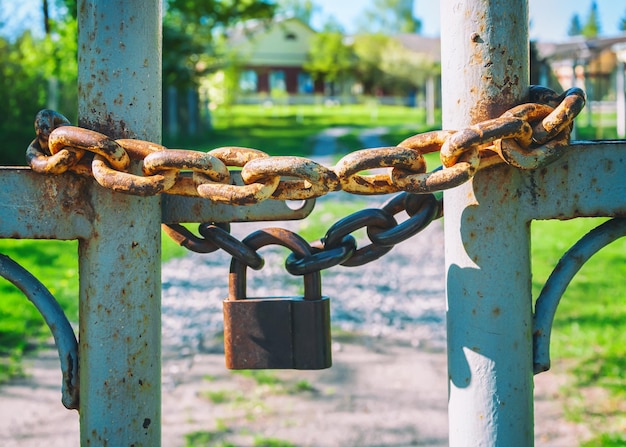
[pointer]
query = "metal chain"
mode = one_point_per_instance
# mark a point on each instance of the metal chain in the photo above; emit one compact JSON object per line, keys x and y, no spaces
{"x":527,"y":136}
{"x":338,"y":246}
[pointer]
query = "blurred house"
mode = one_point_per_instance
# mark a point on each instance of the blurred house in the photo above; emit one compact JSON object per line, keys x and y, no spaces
{"x":595,"y":65}
{"x":588,"y":64}
{"x":272,"y":56}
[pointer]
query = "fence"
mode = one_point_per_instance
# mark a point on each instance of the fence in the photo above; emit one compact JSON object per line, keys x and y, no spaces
{"x":491,"y":323}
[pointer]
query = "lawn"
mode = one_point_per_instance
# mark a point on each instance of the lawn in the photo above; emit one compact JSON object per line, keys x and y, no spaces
{"x":288,"y":130}
{"x":590,"y":327}
{"x":589,"y":332}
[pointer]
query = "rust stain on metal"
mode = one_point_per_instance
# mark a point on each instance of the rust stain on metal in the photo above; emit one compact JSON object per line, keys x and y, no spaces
{"x":107,"y":125}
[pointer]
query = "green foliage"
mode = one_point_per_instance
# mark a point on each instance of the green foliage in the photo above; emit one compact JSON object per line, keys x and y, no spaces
{"x":329,"y":57}
{"x":302,"y":386}
{"x":622,"y":23}
{"x":384,"y":63}
{"x":203,"y":438}
{"x":260,"y":376}
{"x":218,"y":396}
{"x":191,"y":44}
{"x":575,"y":28}
{"x":260,"y":441}
{"x":300,"y":9}
{"x":369,"y":49}
{"x":22,"y":93}
{"x":592,"y":27}
{"x":390,"y":17}
{"x":406,"y":68}
{"x":54,"y":264}
{"x":590,"y":325}
{"x":607,"y":440}
{"x":30,"y":68}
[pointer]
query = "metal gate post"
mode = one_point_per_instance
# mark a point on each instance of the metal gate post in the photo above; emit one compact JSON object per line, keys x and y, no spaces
{"x":119,"y":52}
{"x":484,"y":47}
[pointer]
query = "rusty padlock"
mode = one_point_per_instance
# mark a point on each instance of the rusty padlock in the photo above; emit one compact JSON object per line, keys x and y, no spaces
{"x":276,"y":332}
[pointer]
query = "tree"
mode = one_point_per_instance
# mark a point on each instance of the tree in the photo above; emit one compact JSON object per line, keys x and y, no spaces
{"x":383,"y":63}
{"x":622,"y":23}
{"x":406,"y":68}
{"x":368,"y":50}
{"x":329,"y":57}
{"x":191,"y":32}
{"x":575,"y":28}
{"x":28,"y":61}
{"x":300,"y":9}
{"x":22,"y":93}
{"x":194,"y":46}
{"x":592,"y":27}
{"x":390,"y":17}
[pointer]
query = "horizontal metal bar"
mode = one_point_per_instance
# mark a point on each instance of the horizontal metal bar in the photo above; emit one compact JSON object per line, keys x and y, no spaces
{"x":35,"y":206}
{"x":588,"y":181}
{"x":180,"y":209}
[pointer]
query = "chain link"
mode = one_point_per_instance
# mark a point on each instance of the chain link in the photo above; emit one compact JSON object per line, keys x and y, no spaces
{"x":527,"y":136}
{"x":338,"y":246}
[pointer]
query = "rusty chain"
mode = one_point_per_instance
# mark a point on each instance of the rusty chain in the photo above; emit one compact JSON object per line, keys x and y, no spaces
{"x":526,"y":136}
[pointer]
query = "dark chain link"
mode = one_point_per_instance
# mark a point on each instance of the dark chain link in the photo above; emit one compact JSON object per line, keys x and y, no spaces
{"x":338,"y":246}
{"x":213,"y":237}
{"x":383,"y":231}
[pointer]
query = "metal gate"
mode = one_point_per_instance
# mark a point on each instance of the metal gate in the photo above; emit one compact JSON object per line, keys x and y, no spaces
{"x":496,"y":342}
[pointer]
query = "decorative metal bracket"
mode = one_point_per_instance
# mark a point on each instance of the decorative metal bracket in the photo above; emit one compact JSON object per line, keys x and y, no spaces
{"x":559,"y":279}
{"x":49,"y":308}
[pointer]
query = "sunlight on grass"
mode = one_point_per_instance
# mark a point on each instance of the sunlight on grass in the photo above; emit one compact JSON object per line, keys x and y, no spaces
{"x":590,"y":324}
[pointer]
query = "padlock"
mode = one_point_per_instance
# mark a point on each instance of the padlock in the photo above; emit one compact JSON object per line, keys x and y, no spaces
{"x":276,"y":332}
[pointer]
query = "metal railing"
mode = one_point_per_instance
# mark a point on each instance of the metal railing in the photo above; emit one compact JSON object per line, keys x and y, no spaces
{"x":496,"y":341}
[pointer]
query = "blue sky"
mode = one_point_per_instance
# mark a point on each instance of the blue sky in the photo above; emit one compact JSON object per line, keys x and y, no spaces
{"x":550,"y":19}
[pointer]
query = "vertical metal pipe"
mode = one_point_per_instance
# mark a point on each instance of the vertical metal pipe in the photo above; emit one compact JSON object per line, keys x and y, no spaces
{"x":120,"y":307}
{"x":621,"y":99}
{"x":485,"y":55}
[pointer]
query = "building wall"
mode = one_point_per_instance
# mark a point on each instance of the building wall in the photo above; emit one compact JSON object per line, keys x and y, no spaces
{"x":292,"y":80}
{"x":284,"y":44}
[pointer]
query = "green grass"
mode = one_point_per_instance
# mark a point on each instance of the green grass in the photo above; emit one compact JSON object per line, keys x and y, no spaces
{"x":287,"y":130}
{"x":260,"y":376}
{"x":204,"y":438}
{"x":261,"y":441}
{"x":589,"y":330}
{"x":54,"y":263}
{"x":603,"y":126}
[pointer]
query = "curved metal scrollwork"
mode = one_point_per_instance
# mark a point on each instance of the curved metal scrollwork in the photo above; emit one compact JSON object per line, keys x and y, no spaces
{"x":56,"y":320}
{"x":559,"y":279}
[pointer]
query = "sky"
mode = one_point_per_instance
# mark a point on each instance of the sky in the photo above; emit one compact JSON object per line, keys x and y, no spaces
{"x":549,"y":19}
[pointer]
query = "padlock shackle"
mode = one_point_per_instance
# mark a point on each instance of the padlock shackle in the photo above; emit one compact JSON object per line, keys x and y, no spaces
{"x":273,"y":236}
